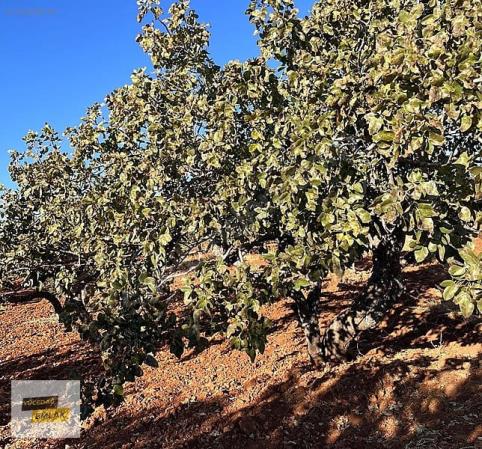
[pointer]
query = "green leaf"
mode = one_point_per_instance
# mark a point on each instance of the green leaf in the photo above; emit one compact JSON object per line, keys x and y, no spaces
{"x":479,"y":306}
{"x":374,"y":123}
{"x":447,"y":283}
{"x":365,"y":216}
{"x":358,"y":187}
{"x":450,"y":291}
{"x":441,"y":252}
{"x":151,"y":283}
{"x":118,"y":390}
{"x":327,"y":219}
{"x":465,"y":214}
{"x":426,"y":210}
{"x":466,"y":123}
{"x":436,"y":139}
{"x":256,"y":135}
{"x":165,"y":238}
{"x":467,"y":307}
{"x":218,"y":135}
{"x":421,"y":254}
{"x":384,"y":136}
{"x":456,"y":271}
{"x":405,"y":17}
{"x":231,"y":330}
{"x":470,"y":258}
{"x":463,"y":159}
{"x":301,"y":283}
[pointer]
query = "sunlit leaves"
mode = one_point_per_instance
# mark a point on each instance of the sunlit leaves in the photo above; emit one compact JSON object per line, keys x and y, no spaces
{"x":421,"y":254}
{"x":360,"y":119}
{"x":465,"y":287}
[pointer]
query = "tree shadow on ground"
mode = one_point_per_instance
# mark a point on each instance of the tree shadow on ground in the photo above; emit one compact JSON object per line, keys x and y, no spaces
{"x":422,"y":320}
{"x":379,"y":401}
{"x":385,"y":399}
{"x":74,"y":361}
{"x":379,"y":404}
{"x":419,"y":320}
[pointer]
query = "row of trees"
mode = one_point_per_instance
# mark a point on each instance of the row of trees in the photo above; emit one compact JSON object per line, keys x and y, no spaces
{"x":357,"y":130}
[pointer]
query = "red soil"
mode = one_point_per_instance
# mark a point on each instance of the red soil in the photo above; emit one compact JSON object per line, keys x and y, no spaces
{"x":416,"y":383}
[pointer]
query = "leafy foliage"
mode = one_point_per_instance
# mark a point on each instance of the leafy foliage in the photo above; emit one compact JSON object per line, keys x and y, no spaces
{"x":465,"y":287}
{"x":360,"y":120}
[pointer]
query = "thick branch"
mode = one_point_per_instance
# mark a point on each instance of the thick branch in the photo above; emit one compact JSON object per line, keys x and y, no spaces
{"x":20,"y":296}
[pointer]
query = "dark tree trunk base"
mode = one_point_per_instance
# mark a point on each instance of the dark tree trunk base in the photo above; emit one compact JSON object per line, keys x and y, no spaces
{"x":365,"y":314}
{"x":383,"y":290}
{"x":306,"y":309}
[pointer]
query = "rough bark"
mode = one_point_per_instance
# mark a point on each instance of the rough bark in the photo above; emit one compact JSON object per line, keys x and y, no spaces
{"x":306,"y":309}
{"x":383,"y":289}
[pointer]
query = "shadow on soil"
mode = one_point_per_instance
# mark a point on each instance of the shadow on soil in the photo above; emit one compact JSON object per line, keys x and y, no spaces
{"x":378,"y":402}
{"x":73,"y":361}
{"x":396,"y":404}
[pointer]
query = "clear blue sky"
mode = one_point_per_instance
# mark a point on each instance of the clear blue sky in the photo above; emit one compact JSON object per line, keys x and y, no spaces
{"x":60,"y":56}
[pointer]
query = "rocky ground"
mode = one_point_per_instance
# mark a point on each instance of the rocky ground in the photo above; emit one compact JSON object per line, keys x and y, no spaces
{"x":415,"y":384}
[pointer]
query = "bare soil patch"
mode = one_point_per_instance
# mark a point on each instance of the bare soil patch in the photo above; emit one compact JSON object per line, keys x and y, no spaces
{"x":415,"y":384}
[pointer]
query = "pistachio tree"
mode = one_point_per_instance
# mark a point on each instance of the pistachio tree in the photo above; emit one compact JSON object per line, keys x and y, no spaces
{"x":356,"y":132}
{"x":103,"y":229}
{"x":365,"y":137}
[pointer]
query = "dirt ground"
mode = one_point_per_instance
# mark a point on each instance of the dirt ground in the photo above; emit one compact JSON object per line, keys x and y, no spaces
{"x":415,"y":384}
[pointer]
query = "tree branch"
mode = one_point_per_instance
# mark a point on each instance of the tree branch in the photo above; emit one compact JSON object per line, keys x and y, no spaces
{"x":20,"y":296}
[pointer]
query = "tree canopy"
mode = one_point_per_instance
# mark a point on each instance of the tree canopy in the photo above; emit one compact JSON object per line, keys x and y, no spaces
{"x":357,"y":130}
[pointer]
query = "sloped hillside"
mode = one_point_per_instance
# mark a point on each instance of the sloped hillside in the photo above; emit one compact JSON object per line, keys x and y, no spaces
{"x":416,"y":383}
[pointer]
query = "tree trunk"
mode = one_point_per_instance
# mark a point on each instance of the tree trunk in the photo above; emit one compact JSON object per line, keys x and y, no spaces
{"x":383,"y":289}
{"x":306,"y":308}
